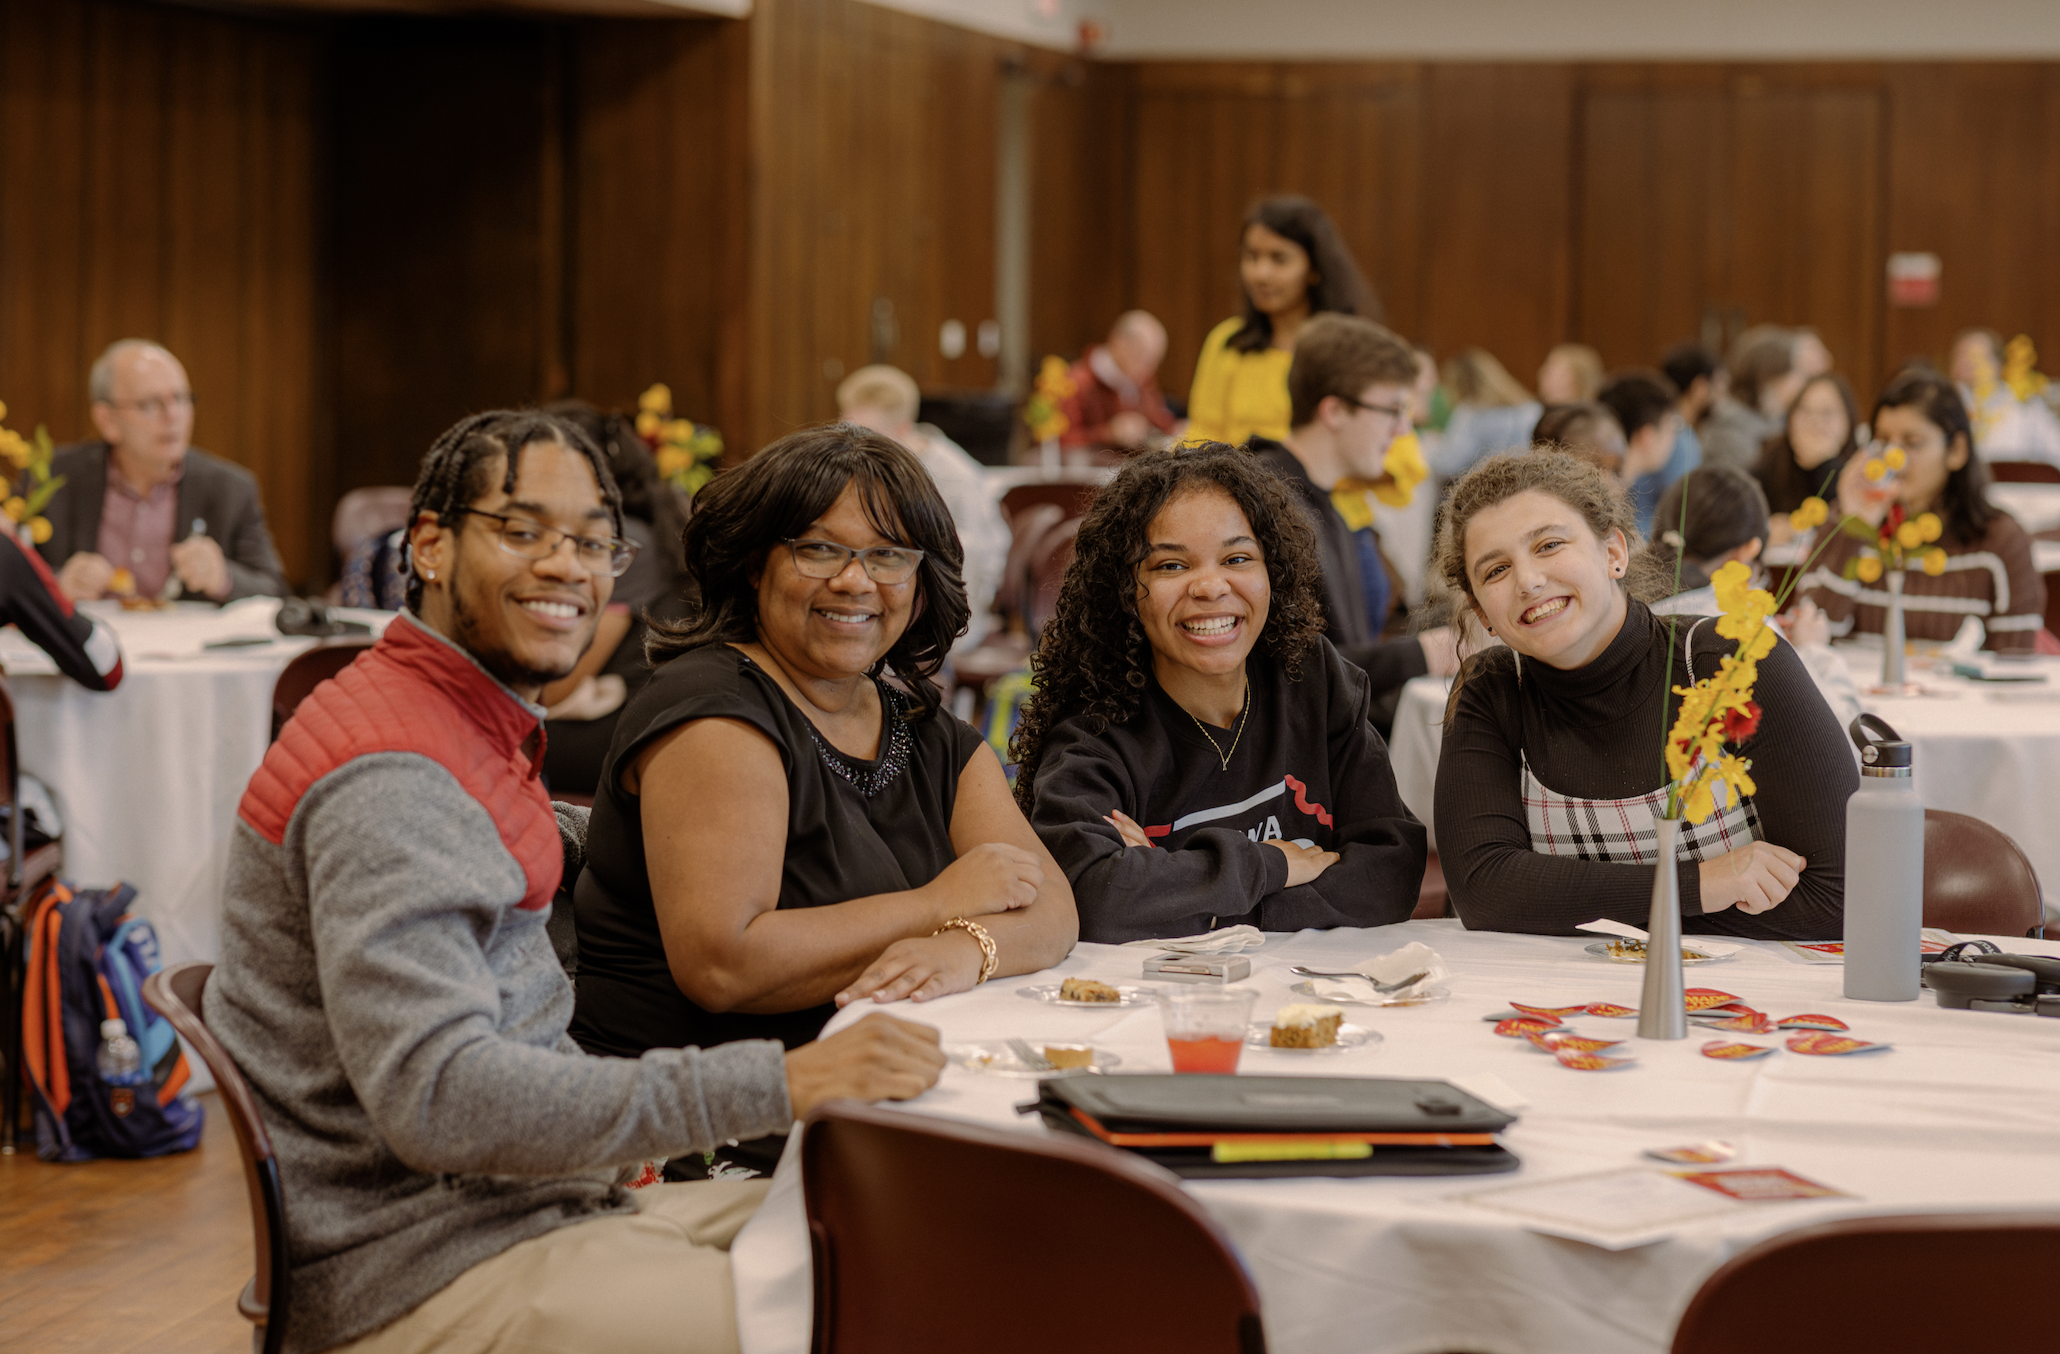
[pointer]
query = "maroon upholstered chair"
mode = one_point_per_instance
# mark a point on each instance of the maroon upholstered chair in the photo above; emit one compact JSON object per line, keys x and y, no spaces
{"x":309,"y":670}
{"x":175,"y":993}
{"x":1976,"y":880}
{"x":931,"y":1234}
{"x":19,"y":878}
{"x":1897,"y":1285}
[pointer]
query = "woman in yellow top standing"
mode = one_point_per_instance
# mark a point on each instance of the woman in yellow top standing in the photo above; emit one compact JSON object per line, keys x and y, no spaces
{"x":1293,"y":265}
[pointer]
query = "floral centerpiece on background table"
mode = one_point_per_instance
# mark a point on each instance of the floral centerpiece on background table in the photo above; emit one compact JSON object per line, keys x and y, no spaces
{"x":686,"y":451}
{"x":28,"y":483}
{"x":1890,"y":551}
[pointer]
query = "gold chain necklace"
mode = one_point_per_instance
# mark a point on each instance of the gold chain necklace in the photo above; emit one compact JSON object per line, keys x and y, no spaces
{"x":1243,"y":716}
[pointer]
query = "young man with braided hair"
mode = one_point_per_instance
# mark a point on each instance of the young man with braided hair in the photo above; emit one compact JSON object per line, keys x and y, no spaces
{"x":451,"y":1159}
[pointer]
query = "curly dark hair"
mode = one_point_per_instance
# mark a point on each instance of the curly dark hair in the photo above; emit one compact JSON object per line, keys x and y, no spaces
{"x":1093,"y":658}
{"x":743,"y":514}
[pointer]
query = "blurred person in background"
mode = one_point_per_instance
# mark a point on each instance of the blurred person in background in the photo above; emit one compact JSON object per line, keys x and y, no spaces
{"x":1978,"y":564}
{"x":142,"y":508}
{"x":885,"y":399}
{"x":1570,"y":374}
{"x":1648,"y":414}
{"x":1699,"y":377}
{"x":1351,"y":386}
{"x":1491,"y":412}
{"x":2001,"y":387}
{"x":1116,"y":404}
{"x":1805,"y":458}
{"x":1292,"y":264}
{"x":1591,"y":433}
{"x":1764,"y":381}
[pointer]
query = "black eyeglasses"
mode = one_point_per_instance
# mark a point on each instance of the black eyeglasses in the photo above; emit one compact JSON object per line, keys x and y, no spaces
{"x":827,"y":559}
{"x":1393,"y":412}
{"x":534,"y":540}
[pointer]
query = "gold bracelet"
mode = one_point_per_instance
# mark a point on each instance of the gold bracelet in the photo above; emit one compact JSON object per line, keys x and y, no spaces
{"x":989,"y":960}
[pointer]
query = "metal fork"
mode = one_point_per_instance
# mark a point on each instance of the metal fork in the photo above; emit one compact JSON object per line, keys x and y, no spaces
{"x":1378,"y":985}
{"x":1029,"y":1056}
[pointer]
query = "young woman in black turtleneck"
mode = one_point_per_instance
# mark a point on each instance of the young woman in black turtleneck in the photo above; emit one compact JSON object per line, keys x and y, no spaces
{"x":1552,"y":759}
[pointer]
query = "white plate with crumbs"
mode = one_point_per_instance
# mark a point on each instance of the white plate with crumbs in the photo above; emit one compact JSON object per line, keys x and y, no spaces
{"x":1349,"y":1037}
{"x":1633,"y":952}
{"x":1000,"y":1060}
{"x":1125,"y":996}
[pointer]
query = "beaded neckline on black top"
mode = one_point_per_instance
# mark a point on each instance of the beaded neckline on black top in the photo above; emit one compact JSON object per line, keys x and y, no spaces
{"x":893,"y":759}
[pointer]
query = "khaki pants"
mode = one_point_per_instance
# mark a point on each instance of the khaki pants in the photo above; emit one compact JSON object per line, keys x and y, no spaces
{"x":653,"y":1282}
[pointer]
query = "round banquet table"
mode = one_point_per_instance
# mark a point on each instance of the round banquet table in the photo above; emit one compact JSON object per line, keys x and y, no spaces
{"x":147,"y":777}
{"x":1987,"y":749}
{"x":1958,"y":1114}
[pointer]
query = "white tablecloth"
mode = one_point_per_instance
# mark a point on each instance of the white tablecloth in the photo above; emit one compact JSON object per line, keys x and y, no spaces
{"x":147,"y":777}
{"x":1990,"y":750}
{"x":1959,"y":1114}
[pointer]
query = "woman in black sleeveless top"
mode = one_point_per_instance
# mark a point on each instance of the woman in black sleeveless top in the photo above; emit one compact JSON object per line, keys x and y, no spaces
{"x":779,"y":830}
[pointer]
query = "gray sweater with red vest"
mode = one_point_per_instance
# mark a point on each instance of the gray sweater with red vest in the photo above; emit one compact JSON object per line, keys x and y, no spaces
{"x":387,"y":987}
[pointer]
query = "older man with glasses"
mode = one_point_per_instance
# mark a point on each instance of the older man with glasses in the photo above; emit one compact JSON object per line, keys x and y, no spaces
{"x":145,"y":513}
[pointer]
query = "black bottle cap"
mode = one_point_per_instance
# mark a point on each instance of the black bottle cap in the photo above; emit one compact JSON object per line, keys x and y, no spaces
{"x":1879,"y":744}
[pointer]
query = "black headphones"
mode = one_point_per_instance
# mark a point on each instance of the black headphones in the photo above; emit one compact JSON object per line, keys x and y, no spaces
{"x":2013,"y":984}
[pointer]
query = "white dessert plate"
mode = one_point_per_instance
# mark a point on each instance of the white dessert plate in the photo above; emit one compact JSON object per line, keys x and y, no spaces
{"x":1000,"y":1060}
{"x":1127,"y":996}
{"x":1349,"y":1036}
{"x":1372,"y":998}
{"x":1690,"y":955}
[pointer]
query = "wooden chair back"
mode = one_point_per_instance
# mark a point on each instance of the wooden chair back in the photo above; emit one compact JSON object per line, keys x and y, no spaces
{"x":934,"y":1234}
{"x":2023,"y":472}
{"x":175,"y":993}
{"x":309,"y":670}
{"x":1887,"y":1285}
{"x":1976,"y":880}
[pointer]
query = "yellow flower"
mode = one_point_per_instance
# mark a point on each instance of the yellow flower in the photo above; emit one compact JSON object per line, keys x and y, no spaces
{"x":1868,"y":568}
{"x":3,"y":409}
{"x":672,"y":460}
{"x":1894,"y":458}
{"x":39,"y":530}
{"x":1934,"y":561}
{"x":1699,"y":803}
{"x":1909,"y":535}
{"x":1929,"y":525}
{"x":1736,"y":773}
{"x":1745,"y":609}
{"x":1813,"y":512}
{"x":656,"y":400}
{"x":17,"y":508}
{"x":1874,"y":470}
{"x":649,"y":422}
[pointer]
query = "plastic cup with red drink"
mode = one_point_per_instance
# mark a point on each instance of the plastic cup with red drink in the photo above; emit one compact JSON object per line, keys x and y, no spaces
{"x":1205,"y":1026}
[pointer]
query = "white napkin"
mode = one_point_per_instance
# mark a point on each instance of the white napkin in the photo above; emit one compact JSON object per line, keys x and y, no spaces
{"x":1392,"y":967}
{"x":1229,"y":940}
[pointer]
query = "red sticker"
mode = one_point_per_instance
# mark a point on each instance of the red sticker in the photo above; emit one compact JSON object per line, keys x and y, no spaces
{"x":1812,"y":1022}
{"x":1556,"y":1012}
{"x":1759,"y":1185}
{"x":1553,"y":1041}
{"x":1824,"y":1044}
{"x":1609,"y":1010}
{"x":1751,"y":1023}
{"x":1590,"y":1062}
{"x":1718,"y":1048}
{"x":1703,"y":998}
{"x":1525,"y":1026}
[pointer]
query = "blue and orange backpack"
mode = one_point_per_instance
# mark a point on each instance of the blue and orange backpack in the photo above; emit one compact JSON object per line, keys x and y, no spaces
{"x":87,"y":961}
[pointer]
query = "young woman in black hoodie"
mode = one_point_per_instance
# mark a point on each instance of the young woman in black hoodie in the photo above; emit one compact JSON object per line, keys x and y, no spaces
{"x":1196,"y":754}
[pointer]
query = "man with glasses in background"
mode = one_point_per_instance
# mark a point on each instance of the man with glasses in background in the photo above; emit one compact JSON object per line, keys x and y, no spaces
{"x":144,"y":513}
{"x":1349,"y":391}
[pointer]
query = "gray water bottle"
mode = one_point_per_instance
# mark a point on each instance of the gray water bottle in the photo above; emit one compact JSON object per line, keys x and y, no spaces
{"x":1884,"y":869}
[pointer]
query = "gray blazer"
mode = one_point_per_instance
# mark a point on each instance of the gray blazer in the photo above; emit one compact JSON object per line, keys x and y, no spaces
{"x":220,"y":492}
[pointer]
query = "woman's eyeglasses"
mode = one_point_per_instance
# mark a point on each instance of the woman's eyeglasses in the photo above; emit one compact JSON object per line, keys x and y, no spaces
{"x":534,"y":540}
{"x":827,"y":559}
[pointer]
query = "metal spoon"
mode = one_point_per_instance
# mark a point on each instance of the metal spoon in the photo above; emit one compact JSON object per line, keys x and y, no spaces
{"x":1029,"y":1056}
{"x":1378,"y":986}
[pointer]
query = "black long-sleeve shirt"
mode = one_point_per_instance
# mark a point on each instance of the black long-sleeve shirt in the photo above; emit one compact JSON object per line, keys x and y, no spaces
{"x":83,"y":648}
{"x":1307,"y":767}
{"x":1595,"y":733}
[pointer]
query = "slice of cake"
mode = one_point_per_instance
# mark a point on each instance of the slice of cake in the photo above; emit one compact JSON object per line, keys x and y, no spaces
{"x":1064,"y":1056}
{"x":1087,"y":989}
{"x":1307,"y":1025}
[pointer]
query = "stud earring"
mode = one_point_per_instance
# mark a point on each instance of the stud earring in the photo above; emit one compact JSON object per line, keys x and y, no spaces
{"x":429,"y":574}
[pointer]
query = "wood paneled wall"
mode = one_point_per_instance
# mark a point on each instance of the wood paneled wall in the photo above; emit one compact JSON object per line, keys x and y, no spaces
{"x":156,"y":180}
{"x":1625,"y":205}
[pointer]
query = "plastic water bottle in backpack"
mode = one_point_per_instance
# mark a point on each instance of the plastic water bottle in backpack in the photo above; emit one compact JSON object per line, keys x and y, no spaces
{"x":120,"y":1061}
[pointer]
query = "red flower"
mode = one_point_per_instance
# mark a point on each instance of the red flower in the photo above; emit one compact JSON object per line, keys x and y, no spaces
{"x":1896,"y":515}
{"x":1740,"y":725}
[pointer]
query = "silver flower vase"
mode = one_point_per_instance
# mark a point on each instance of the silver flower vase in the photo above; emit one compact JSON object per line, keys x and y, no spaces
{"x":1892,"y":632}
{"x":1663,"y":1010}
